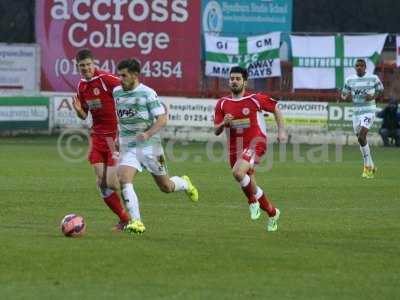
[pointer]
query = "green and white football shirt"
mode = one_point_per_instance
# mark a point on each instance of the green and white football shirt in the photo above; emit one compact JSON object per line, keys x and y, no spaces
{"x":359,"y":88}
{"x":137,"y":110}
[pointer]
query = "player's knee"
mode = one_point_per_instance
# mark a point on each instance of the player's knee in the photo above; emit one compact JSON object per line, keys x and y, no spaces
{"x":123,"y":178}
{"x":99,"y":182}
{"x":238,"y":174}
{"x":362,"y":140}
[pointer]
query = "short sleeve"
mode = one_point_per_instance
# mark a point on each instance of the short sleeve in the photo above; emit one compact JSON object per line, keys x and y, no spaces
{"x":266,"y":103}
{"x":154,"y":105}
{"x":218,"y":113}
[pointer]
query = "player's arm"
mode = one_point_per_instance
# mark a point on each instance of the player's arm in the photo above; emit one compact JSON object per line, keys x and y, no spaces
{"x":378,"y":90}
{"x":219,"y":128}
{"x":346,"y":92}
{"x":77,"y":105}
{"x":221,"y":120}
{"x":282,"y":137}
{"x":157,"y":109}
{"x":160,"y":123}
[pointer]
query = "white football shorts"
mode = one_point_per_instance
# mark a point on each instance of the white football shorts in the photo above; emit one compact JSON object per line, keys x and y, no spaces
{"x":149,"y":157}
{"x":364,"y":120}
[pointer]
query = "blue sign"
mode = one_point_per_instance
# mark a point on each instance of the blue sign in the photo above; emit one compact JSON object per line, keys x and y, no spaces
{"x":244,"y":17}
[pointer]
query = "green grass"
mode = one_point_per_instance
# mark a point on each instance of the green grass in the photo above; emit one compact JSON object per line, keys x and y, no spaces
{"x":338,"y":236}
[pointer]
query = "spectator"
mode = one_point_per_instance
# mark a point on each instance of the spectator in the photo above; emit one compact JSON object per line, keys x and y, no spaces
{"x":391,"y":123}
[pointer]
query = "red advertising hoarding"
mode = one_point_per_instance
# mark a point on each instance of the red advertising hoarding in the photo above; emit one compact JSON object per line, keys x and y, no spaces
{"x":163,"y":34}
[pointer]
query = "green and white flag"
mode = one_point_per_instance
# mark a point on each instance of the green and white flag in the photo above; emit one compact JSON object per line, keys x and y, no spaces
{"x":324,"y":62}
{"x":259,"y":54}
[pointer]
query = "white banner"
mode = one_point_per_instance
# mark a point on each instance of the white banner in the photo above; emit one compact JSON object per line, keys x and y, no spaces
{"x":23,"y":113}
{"x":259,"y":54}
{"x":19,"y":67}
{"x":190,"y":112}
{"x":324,"y":62}
{"x":65,"y":115}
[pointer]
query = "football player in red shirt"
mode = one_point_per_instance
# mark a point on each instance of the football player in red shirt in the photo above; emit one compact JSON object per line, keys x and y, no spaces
{"x":95,"y":95}
{"x":241,"y":116}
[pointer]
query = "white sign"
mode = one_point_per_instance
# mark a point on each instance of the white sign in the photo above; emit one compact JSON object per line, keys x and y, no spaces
{"x":304,"y":110}
{"x":19,"y":67}
{"x":23,"y":113}
{"x":190,"y":111}
{"x":65,"y":115}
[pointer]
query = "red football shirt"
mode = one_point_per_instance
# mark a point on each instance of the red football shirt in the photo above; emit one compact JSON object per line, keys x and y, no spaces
{"x":95,"y":96}
{"x":248,"y":124}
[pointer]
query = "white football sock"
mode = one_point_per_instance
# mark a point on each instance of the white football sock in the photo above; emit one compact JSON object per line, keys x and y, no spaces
{"x":259,"y":193}
{"x":131,"y":200}
{"x":180,"y":184}
{"x":366,"y":153}
{"x":245,"y":181}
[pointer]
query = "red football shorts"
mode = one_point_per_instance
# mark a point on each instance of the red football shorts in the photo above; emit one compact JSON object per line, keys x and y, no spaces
{"x":101,"y":149}
{"x":251,"y":155}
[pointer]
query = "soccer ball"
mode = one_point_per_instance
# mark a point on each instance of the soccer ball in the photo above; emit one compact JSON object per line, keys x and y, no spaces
{"x":73,"y":225}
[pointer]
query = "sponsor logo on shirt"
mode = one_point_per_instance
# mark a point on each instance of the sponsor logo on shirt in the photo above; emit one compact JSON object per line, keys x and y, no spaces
{"x":126,"y":113}
{"x":94,"y":104}
{"x":241,"y":123}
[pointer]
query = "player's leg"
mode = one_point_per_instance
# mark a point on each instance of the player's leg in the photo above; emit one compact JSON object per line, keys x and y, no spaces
{"x":154,"y":161}
{"x":127,"y":169}
{"x":265,"y":204}
{"x":114,"y":200}
{"x":365,"y":122}
{"x":175,"y":184}
{"x":101,"y":164}
{"x":240,"y":171}
{"x":98,"y":157}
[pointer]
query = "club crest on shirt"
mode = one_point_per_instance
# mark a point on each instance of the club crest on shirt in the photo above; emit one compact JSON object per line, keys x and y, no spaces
{"x":96,"y":91}
{"x":246,"y":111}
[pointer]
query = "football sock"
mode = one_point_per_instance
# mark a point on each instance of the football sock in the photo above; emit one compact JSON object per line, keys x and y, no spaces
{"x":112,"y":200}
{"x":366,"y":153}
{"x":264,"y":203}
{"x":131,"y":200}
{"x":180,"y":184}
{"x":247,"y":189}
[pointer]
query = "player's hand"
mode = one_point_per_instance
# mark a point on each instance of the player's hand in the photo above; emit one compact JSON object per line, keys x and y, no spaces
{"x":282,"y":136}
{"x":142,"y":137}
{"x":115,"y":155}
{"x":76,"y":103}
{"x":116,"y":144}
{"x":228,"y":120}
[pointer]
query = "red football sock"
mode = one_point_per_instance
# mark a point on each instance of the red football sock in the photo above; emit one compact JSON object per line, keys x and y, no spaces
{"x":247,"y":189}
{"x":266,"y":205}
{"x":114,"y":203}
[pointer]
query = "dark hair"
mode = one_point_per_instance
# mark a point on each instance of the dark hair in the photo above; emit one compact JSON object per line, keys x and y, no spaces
{"x":83,"y":54}
{"x":361,"y":60}
{"x":131,"y":64}
{"x":238,"y":69}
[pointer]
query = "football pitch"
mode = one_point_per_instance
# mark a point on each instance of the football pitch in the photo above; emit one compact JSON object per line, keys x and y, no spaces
{"x":338,"y":236}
